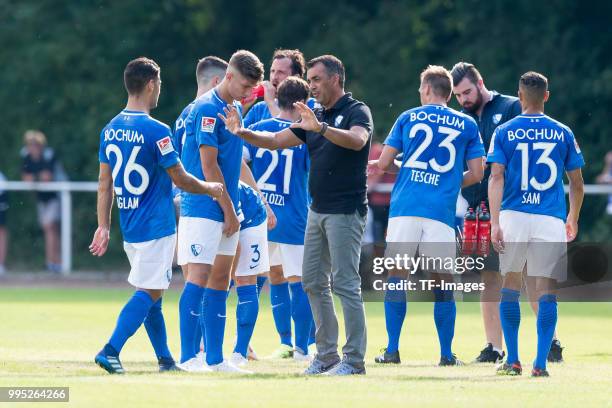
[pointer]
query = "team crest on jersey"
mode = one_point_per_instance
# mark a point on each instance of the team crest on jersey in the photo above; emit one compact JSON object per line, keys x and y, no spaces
{"x":165,"y":145}
{"x":338,"y":120}
{"x":196,"y":249}
{"x":208,"y":124}
{"x":496,"y":118}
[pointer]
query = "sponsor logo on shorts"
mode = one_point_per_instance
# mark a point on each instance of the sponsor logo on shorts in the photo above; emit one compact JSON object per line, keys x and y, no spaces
{"x":253,"y":266}
{"x":208,"y":124}
{"x":165,"y":145}
{"x":169,"y":275}
{"x":196,"y":249}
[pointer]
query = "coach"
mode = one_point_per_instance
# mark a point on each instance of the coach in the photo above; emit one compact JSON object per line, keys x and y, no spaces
{"x":338,"y":138}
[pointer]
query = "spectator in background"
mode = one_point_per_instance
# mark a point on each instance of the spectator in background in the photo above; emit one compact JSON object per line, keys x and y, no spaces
{"x":378,"y":200}
{"x":606,"y":178}
{"x":40,"y":164}
{"x":3,"y":233}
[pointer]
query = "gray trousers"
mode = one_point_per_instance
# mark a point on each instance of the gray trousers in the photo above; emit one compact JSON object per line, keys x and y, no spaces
{"x":332,"y":248}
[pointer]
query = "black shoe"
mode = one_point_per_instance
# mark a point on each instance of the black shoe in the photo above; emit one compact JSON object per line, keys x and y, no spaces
{"x":488,"y":355}
{"x":388,"y":358}
{"x":167,"y":364}
{"x":538,"y":372}
{"x":452,"y":361}
{"x":510,"y":369}
{"x":555,"y":355}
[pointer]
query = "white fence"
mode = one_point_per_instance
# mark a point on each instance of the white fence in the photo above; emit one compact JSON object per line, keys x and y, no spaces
{"x":66,"y":188}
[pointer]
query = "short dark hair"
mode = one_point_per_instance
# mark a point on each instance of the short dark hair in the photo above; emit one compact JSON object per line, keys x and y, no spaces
{"x":208,"y":67}
{"x":533,"y":85}
{"x":439,"y":79}
{"x":465,"y":70}
{"x":291,"y":90}
{"x":137,"y":74}
{"x":298,"y":64}
{"x":332,"y":65}
{"x":247,"y":64}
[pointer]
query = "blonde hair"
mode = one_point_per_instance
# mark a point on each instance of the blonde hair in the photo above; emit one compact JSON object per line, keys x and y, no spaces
{"x":34,"y":136}
{"x":439,"y":79}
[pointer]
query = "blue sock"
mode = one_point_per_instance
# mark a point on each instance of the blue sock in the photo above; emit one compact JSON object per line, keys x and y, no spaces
{"x":313,"y":331}
{"x":510,"y":316}
{"x":445,"y":313}
{"x":189,"y":313}
{"x":547,"y":320}
{"x":156,"y":329}
{"x":212,"y":317}
{"x":281,"y":310}
{"x":131,"y":317}
{"x":395,"y":312}
{"x":302,"y":316}
{"x":261,"y":280}
{"x":246,"y":316}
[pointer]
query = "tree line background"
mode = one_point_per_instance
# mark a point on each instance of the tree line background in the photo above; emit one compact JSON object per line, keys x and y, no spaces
{"x":62,"y":65}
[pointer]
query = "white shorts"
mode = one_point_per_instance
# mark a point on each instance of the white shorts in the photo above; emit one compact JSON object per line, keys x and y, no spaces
{"x":253,"y":258}
{"x":290,"y":257}
{"x":536,"y":239}
{"x":434,"y":239}
{"x":200,"y":240}
{"x":48,"y":211}
{"x":151,"y":262}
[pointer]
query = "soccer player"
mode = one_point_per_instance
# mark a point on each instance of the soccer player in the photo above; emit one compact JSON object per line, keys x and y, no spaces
{"x":282,"y":177}
{"x":208,"y":230}
{"x":489,"y":109}
{"x":435,"y":142}
{"x":137,"y":164}
{"x":285,"y":63}
{"x":209,"y":73}
{"x":528,"y":157}
{"x":252,"y":259}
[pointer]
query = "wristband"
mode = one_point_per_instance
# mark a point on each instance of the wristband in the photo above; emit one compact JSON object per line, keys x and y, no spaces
{"x":324,"y":127}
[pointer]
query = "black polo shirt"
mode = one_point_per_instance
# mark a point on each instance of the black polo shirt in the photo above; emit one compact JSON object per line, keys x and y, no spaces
{"x":499,"y":110}
{"x":337,"y":180}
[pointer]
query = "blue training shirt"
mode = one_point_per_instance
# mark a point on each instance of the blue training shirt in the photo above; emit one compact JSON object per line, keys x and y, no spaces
{"x":260,"y":111}
{"x":435,"y":141}
{"x":139,"y":149}
{"x":282,"y":177}
{"x":251,"y":206}
{"x":204,"y":128}
{"x":536,"y":150}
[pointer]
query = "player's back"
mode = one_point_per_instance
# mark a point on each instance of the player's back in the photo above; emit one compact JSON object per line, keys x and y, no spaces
{"x":536,"y":151}
{"x":179,"y":128}
{"x":203,"y":127}
{"x":435,"y":141}
{"x":138,"y":148}
{"x":282,"y":176}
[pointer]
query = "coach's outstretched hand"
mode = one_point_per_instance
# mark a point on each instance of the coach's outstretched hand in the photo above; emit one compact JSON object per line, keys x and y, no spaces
{"x":309,"y":121}
{"x":232,"y":120}
{"x":99,"y":244}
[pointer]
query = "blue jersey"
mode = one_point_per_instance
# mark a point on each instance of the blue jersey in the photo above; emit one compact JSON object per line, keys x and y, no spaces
{"x":179,"y":128}
{"x":204,"y":128}
{"x":251,"y":206}
{"x":435,"y":141}
{"x":139,"y":149}
{"x":282,"y":177}
{"x":536,"y":150}
{"x":260,"y":111}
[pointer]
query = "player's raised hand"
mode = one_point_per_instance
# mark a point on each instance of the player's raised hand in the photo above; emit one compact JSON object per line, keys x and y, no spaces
{"x":497,"y":238}
{"x":269,"y":91}
{"x":309,"y":121}
{"x":231,"y":225}
{"x":99,"y":244}
{"x":215,"y":189}
{"x":232,"y":119}
{"x":571,"y":229}
{"x":271,"y":217}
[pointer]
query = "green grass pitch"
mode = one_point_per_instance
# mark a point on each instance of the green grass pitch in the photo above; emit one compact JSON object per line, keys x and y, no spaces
{"x":48,"y":337}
